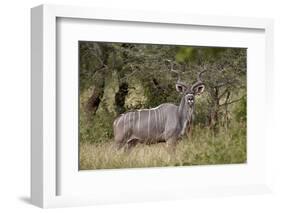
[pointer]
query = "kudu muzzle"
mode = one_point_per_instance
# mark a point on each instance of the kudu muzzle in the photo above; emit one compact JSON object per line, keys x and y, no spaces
{"x":190,"y":99}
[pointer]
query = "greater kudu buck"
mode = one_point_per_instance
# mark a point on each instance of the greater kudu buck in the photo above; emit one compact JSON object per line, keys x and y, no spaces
{"x":164,"y":123}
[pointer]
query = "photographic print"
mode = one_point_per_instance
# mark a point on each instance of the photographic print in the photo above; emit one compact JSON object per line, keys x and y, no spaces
{"x":155,"y":105}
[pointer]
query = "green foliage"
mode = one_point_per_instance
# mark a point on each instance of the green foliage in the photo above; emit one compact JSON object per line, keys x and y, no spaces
{"x":118,"y":77}
{"x":185,"y":54}
{"x":227,"y":146}
{"x":96,"y":130}
{"x":191,"y":54}
{"x":241,"y":110}
{"x":201,"y":111}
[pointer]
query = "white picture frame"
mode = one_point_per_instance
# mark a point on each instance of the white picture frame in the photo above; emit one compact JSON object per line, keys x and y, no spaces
{"x":45,"y":157}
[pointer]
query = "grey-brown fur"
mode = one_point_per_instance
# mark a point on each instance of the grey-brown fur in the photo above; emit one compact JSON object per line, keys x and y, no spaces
{"x":165,"y":123}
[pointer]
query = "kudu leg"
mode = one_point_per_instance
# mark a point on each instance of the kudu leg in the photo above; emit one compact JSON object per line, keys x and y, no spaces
{"x":131,"y":144}
{"x":171,"y":145}
{"x":119,"y":141}
{"x":119,"y":145}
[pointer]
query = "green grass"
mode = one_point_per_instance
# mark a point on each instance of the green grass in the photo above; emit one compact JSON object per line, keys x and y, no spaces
{"x":204,"y":147}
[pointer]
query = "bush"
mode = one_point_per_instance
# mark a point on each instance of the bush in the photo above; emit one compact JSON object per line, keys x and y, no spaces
{"x":241,"y":110}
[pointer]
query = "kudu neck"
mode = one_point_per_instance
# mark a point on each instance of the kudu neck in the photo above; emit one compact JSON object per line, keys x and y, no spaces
{"x":184,"y":112}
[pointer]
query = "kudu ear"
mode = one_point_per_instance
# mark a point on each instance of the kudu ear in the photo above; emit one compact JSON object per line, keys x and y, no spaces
{"x":198,"y":90}
{"x":181,"y":88}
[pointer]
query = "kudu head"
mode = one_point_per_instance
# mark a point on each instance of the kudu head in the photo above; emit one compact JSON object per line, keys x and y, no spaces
{"x":189,"y":92}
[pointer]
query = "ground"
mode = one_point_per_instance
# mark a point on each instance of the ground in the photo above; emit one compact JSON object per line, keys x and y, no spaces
{"x":200,"y":149}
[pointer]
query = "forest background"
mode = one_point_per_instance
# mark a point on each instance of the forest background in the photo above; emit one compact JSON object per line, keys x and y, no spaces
{"x":118,"y":77}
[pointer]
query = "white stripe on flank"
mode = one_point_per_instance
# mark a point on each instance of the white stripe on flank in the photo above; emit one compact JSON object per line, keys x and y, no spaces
{"x":150,"y":108}
{"x":119,"y":119}
{"x":124,"y":130}
{"x":148,"y":120}
{"x":160,"y":118}
{"x":156,"y":107}
{"x":129,"y":120}
{"x":156,"y":121}
{"x":139,"y":123}
{"x":162,"y":124}
{"x":159,"y":121}
{"x":134,"y":120}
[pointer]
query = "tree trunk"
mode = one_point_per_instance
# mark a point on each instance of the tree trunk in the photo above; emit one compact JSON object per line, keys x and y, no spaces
{"x":226,"y":112}
{"x":214,"y":111}
{"x":120,"y":97}
{"x":94,"y":100}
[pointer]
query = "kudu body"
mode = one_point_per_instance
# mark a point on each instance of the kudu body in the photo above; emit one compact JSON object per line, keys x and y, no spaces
{"x":165,"y":123}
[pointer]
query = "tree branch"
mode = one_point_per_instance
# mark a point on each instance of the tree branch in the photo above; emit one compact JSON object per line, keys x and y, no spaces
{"x":224,"y":92}
{"x":231,"y":102}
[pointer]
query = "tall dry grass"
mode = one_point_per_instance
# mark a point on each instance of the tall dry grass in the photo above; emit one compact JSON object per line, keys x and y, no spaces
{"x":228,"y":146}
